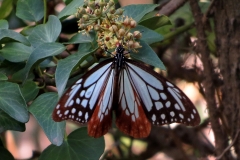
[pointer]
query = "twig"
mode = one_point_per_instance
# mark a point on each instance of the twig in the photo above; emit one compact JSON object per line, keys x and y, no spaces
{"x":226,"y":149}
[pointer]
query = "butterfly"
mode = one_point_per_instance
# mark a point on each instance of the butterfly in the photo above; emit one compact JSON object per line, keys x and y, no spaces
{"x":138,"y":95}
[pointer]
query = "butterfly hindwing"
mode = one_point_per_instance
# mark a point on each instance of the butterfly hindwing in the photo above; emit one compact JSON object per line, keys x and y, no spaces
{"x":130,"y":116}
{"x":163,"y":102}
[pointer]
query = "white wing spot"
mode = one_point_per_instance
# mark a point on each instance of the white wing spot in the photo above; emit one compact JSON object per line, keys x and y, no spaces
{"x":73,"y":110}
{"x":106,"y":113}
{"x":69,"y":116}
{"x":159,"y":105}
{"x":169,"y":84}
{"x":60,"y":115}
{"x":163,"y":96}
{"x":58,"y":112}
{"x":188,"y":119}
{"x":181,"y":116}
{"x":78,"y":101}
{"x":84,"y":103}
{"x":167,"y":104}
{"x":58,"y":106}
{"x":101,"y":118}
{"x":172,"y":113}
{"x":177,"y":106}
{"x":171,"y":120}
{"x":163,"y":116}
{"x":127,"y":112}
{"x":192,"y":116}
{"x":133,"y":118}
{"x":194,"y":111}
{"x":72,"y":116}
{"x":153,"y":117}
{"x":80,"y":113}
{"x":79,"y":81}
{"x":66,"y":112}
{"x":86,"y":116}
{"x":82,"y":93}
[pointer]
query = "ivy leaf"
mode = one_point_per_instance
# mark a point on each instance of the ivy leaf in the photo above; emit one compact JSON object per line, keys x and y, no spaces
{"x":42,"y":109}
{"x":66,"y":66}
{"x":70,"y":9}
{"x":149,"y":36}
{"x":15,"y":52}
{"x":148,"y":56}
{"x":12,"y":102}
{"x":30,"y":10}
{"x":78,"y":146}
{"x":138,"y":11}
{"x":8,"y":123}
{"x":7,"y":35}
{"x":44,"y":33}
{"x":43,"y":51}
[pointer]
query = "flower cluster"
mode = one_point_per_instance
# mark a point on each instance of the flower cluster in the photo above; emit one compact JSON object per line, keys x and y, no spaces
{"x":111,"y":26}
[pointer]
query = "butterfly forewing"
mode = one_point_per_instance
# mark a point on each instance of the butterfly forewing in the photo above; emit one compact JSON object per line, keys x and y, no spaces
{"x":162,"y":101}
{"x":101,"y":119}
{"x":81,"y":99}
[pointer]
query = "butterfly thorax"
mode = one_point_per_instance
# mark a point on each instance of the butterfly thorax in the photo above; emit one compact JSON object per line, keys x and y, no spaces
{"x":119,"y":58}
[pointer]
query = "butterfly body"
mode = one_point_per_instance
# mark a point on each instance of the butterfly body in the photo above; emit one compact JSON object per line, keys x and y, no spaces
{"x":138,"y":95}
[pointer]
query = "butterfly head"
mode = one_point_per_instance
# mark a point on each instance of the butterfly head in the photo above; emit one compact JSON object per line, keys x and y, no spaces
{"x":120,"y":48}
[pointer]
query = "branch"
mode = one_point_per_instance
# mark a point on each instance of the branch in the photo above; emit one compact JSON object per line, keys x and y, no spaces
{"x":202,"y":48}
{"x":171,"y":7}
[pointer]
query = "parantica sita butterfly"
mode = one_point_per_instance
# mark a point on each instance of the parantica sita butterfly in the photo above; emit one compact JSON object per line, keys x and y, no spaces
{"x":137,"y":95}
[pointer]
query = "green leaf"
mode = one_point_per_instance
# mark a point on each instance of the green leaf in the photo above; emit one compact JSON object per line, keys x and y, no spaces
{"x":6,"y":8}
{"x":149,"y":36}
{"x":12,"y":102}
{"x":29,"y":90}
{"x":47,"y":63}
{"x":78,"y":146}
{"x":82,"y":38}
{"x":42,"y":109}
{"x":138,"y":11}
{"x":147,"y":55}
{"x":3,"y":77}
{"x":15,"y":52}
{"x":8,"y":123}
{"x":30,"y":10}
{"x":3,"y":24}
{"x":155,"y":22}
{"x":5,"y":154}
{"x":44,"y":33}
{"x":7,"y":35}
{"x":70,"y":9}
{"x":66,"y":66}
{"x":9,"y":68}
{"x":40,"y":53}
